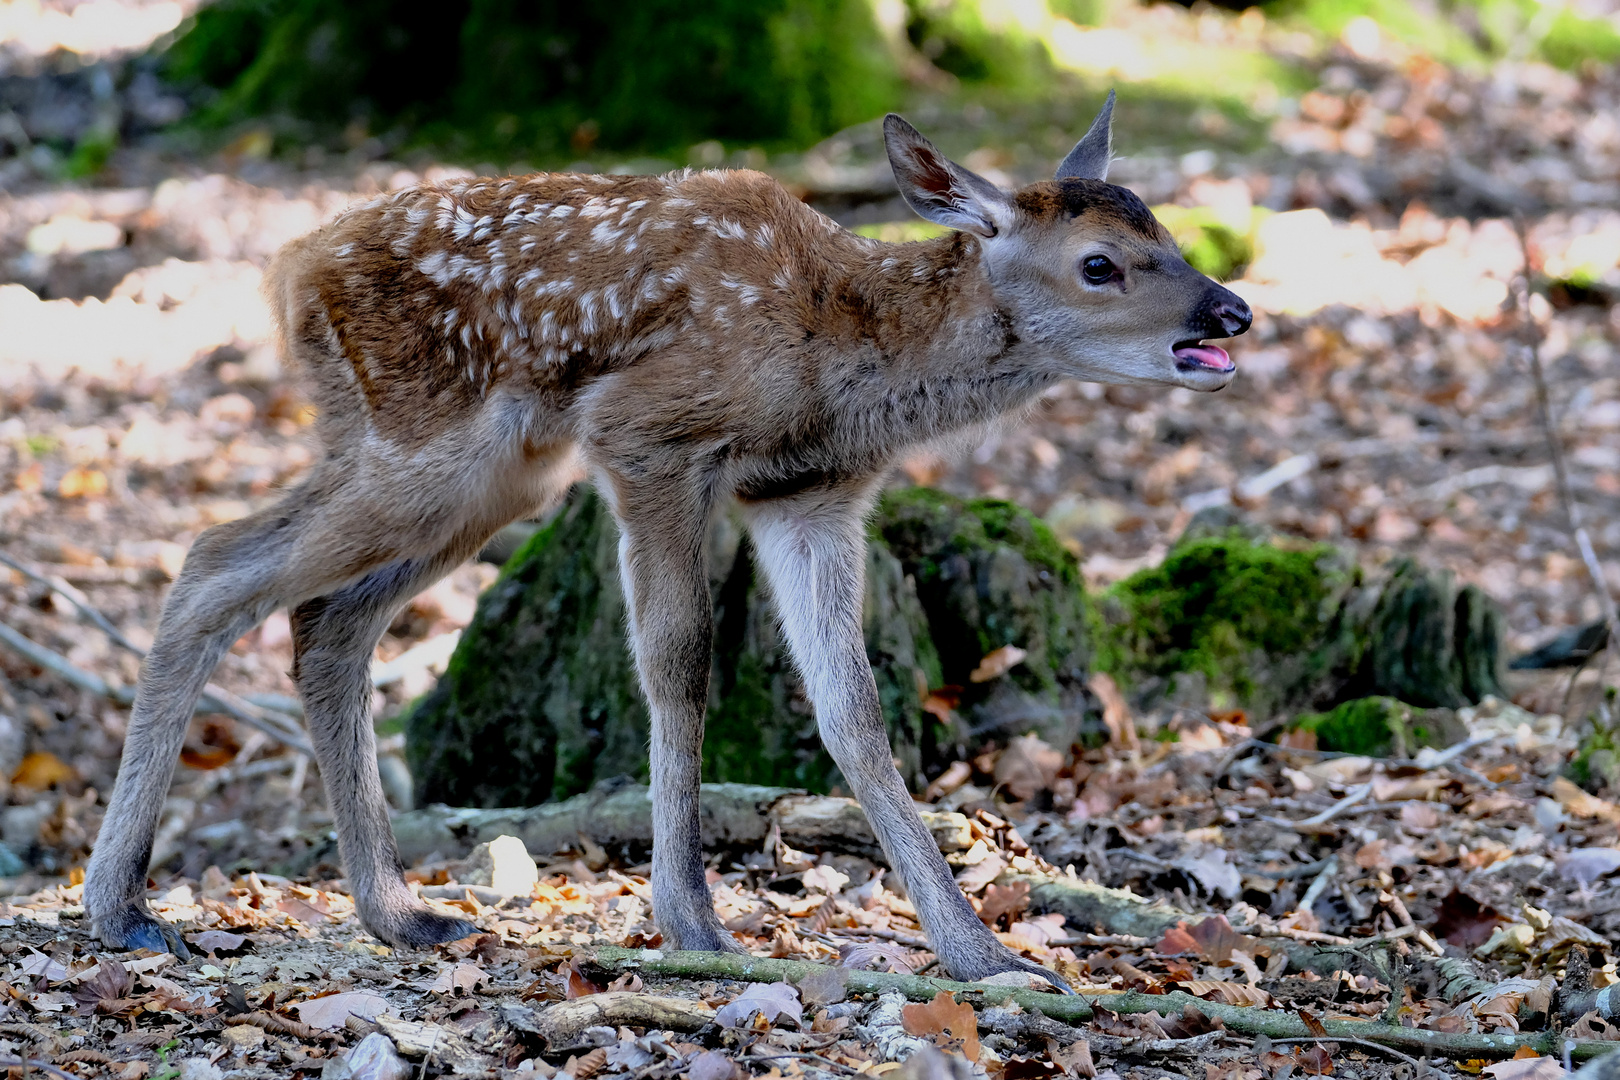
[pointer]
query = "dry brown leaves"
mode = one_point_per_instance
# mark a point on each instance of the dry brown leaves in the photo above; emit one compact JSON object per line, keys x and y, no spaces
{"x":952,"y":1025}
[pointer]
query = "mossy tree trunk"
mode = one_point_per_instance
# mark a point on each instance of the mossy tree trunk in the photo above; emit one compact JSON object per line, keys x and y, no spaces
{"x":541,"y":701}
{"x":1272,"y":625}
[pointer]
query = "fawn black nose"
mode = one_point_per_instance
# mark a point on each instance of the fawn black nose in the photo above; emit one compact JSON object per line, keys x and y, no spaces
{"x":1230,"y":313}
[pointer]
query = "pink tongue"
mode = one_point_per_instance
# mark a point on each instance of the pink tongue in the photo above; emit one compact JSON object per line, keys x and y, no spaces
{"x":1210,"y":356}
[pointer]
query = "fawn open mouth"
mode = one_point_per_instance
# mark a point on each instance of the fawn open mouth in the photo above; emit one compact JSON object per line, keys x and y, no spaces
{"x":1194,"y":355}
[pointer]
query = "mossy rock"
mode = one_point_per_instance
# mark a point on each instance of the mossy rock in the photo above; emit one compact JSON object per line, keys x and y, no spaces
{"x":1596,"y":764}
{"x":541,"y":700}
{"x":1236,"y":618}
{"x":1381,"y":727}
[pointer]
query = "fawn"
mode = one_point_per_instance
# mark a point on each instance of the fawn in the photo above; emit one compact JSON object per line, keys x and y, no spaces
{"x":687,"y":338}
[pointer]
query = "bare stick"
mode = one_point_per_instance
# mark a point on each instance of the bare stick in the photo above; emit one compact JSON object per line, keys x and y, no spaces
{"x":1274,"y":1024}
{"x":1555,"y":446}
{"x":1422,"y":1068}
{"x":214,"y":698}
{"x":221,"y":701}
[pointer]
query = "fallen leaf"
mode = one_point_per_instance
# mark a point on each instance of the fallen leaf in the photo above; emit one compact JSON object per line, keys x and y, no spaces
{"x":332,"y":1011}
{"x":949,"y":1023}
{"x":981,"y":873}
{"x":862,"y":955}
{"x":1229,"y":993}
{"x":1579,"y":803}
{"x":578,"y":985}
{"x":308,"y":912}
{"x":1585,"y":865}
{"x":213,"y":942}
{"x":1314,"y":1060}
{"x":1464,"y":921}
{"x":460,"y":978}
{"x":824,"y":879}
{"x":1531,"y":1068}
{"x":770,"y":1000}
{"x":997,"y":663}
{"x":1214,"y":873}
{"x":1024,"y":1068}
{"x":1116,"y":711}
{"x":955,"y":775}
{"x":711,"y":1065}
{"x":375,"y":1058}
{"x":37,"y":965}
{"x":1074,"y":1059}
{"x":1002,"y":900}
{"x":1027,"y":767}
{"x":825,"y":986}
{"x":82,"y":483}
{"x":106,"y":991}
{"x":43,"y":769}
{"x":1130,"y":1026}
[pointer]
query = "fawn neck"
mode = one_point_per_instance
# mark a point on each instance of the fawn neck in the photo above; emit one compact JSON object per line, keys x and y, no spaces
{"x":948,"y":356}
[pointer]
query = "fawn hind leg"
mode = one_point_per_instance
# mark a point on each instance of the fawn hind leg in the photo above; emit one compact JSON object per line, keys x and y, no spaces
{"x":234,"y":576}
{"x":333,"y":535}
{"x":333,"y":640}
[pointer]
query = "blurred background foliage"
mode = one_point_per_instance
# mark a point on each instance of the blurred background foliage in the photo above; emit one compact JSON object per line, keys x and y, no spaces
{"x":655,"y":84}
{"x":544,"y":81}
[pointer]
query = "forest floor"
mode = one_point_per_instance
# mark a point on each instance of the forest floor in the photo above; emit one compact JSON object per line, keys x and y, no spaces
{"x":1383,"y":402}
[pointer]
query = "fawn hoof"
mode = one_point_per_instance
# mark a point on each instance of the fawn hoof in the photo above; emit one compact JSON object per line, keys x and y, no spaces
{"x":698,"y":935}
{"x":133,"y":926}
{"x":420,"y":928}
{"x":981,"y":964}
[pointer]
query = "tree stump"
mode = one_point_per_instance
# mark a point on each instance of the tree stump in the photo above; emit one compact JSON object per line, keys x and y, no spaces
{"x":541,"y":701}
{"x":1237,"y":619}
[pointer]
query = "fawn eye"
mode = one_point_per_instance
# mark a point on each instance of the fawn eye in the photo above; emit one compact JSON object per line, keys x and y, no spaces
{"x":1098,"y":270}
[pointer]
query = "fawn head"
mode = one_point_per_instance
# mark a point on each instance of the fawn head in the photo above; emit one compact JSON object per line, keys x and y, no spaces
{"x":1093,"y":284}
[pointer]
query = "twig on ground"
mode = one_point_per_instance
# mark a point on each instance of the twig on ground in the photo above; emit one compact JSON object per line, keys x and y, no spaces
{"x":1272,"y":1023}
{"x":1423,"y":1068}
{"x":1555,"y":446}
{"x":1319,"y":884}
{"x":35,"y":1063}
{"x":1357,"y":794}
{"x":911,"y":941}
{"x":214,"y":698}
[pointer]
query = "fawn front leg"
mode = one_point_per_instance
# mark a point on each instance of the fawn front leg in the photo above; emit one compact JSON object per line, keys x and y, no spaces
{"x":666,"y":590}
{"x":814,"y":555}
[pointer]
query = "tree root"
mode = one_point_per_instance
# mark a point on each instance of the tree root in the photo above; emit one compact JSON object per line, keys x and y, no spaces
{"x":1272,"y":1023}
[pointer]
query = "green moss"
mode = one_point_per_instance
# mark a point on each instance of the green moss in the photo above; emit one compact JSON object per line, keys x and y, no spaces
{"x":547,"y":80}
{"x":1468,"y":33}
{"x":988,"y":574}
{"x":1596,"y":764}
{"x":1381,"y":727}
{"x":1257,"y":620}
{"x":1217,"y":244}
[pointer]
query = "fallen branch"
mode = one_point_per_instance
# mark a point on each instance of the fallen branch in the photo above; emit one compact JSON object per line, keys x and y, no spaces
{"x":214,"y":698}
{"x":742,"y":815}
{"x":1078,"y":1008}
{"x":563,"y":1025}
{"x":733,"y":815}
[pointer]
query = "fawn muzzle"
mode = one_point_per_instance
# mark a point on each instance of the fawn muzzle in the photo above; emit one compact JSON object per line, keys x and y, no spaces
{"x":1222,"y":314}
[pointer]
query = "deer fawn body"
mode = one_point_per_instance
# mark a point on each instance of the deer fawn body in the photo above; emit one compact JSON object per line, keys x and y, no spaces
{"x":688,"y":338}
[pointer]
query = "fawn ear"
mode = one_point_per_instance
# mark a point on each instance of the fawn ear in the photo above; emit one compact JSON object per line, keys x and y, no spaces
{"x":938,"y":188}
{"x":1089,"y":158}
